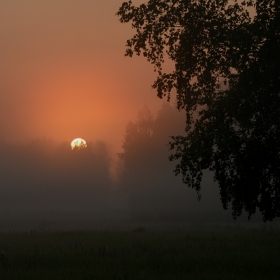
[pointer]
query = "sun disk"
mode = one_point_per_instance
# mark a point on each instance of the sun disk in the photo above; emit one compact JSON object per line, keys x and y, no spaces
{"x":78,"y":143}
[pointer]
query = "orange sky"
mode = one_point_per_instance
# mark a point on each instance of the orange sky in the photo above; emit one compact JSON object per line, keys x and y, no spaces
{"x":63,"y":73}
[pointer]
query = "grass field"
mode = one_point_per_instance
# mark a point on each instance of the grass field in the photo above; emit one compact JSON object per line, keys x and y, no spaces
{"x":219,"y":253}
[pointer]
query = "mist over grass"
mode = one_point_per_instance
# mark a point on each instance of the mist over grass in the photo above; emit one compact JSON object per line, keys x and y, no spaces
{"x":43,"y":176}
{"x":45,"y":185}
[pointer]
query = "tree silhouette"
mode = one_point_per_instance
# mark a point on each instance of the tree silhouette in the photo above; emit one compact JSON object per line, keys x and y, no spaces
{"x":137,"y":140}
{"x":153,"y":192}
{"x":226,"y":78}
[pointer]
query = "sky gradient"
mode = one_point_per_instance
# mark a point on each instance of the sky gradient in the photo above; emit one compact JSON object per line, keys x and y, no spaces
{"x":63,"y":73}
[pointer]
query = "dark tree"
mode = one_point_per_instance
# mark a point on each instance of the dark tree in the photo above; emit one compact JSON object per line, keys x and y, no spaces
{"x":146,"y":139}
{"x":227,"y":79}
{"x":137,"y":141}
{"x":147,"y":180}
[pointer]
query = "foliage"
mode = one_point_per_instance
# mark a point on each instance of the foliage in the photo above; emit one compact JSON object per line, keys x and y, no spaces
{"x":226,"y":78}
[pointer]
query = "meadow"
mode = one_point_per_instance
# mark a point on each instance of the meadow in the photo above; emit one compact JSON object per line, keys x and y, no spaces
{"x":141,"y":253}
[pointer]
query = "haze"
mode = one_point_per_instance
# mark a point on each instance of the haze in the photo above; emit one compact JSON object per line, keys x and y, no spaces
{"x":63,"y":75}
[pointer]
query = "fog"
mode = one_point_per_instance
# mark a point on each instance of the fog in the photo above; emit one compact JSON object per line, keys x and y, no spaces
{"x":45,"y":185}
{"x":63,"y":75}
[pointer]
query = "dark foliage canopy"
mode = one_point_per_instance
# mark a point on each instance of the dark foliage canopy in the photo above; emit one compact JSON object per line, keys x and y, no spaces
{"x":227,"y":78}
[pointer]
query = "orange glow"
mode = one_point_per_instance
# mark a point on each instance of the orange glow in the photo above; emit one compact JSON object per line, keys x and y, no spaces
{"x":63,"y":73}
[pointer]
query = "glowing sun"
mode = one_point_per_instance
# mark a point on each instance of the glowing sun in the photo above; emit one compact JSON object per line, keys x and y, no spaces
{"x":78,"y":143}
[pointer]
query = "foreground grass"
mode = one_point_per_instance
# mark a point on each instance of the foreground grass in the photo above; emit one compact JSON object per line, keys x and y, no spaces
{"x":142,"y":254}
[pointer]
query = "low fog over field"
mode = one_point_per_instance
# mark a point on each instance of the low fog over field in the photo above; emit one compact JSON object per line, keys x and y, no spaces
{"x":63,"y":75}
{"x":46,"y":184}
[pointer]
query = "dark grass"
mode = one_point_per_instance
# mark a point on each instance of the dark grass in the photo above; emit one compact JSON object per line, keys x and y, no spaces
{"x":227,"y":253}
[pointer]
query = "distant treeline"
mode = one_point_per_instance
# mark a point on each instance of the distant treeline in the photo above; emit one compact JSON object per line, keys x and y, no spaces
{"x":42,"y":175}
{"x":45,"y":176}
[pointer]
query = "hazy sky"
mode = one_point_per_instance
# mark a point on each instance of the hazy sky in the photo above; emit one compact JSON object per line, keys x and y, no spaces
{"x":63,"y":73}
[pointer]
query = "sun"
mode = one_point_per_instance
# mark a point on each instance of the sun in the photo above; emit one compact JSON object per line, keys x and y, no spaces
{"x":78,"y":143}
